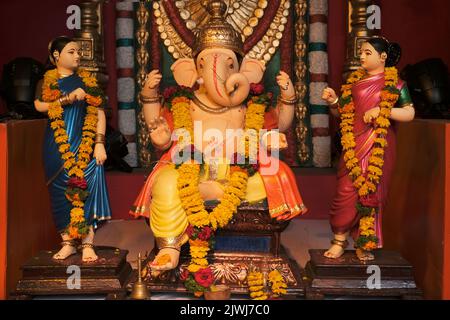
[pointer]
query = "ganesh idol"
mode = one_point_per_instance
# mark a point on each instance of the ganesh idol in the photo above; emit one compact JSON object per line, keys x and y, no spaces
{"x":218,"y":93}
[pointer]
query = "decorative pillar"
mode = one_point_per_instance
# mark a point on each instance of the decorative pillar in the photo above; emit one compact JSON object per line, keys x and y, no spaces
{"x":301,"y":109}
{"x":318,"y":81}
{"x":143,"y":59}
{"x":126,"y":87}
{"x":357,"y":32}
{"x":90,"y":38}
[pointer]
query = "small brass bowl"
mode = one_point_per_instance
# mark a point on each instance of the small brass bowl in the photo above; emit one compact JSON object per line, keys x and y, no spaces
{"x":220,"y":292}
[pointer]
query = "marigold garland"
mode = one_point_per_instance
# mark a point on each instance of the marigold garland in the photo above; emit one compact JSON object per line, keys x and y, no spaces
{"x":201,"y":223}
{"x":76,"y":191}
{"x":278,"y":283}
{"x":368,"y":184}
{"x":257,"y":285}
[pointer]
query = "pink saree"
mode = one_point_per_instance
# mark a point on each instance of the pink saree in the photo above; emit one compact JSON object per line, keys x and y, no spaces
{"x":343,"y":215}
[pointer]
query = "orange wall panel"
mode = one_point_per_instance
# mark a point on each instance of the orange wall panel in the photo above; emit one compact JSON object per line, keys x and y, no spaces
{"x":3,"y":207}
{"x":416,"y":219}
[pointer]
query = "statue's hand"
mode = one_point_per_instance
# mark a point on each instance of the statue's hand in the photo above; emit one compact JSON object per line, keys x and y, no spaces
{"x":274,"y":140}
{"x":210,"y":190}
{"x":371,"y":115}
{"x":100,"y":154}
{"x":77,"y":95}
{"x":286,"y":85}
{"x":152,"y":82}
{"x":330,"y":96}
{"x":159,"y":132}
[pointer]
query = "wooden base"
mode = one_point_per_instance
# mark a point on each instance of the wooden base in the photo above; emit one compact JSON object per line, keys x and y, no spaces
{"x":43,"y":275}
{"x":230,"y":269}
{"x":348,"y":276}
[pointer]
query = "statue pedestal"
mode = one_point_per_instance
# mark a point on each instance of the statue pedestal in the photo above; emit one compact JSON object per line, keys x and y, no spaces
{"x":252,"y":238}
{"x":347,"y":276}
{"x":43,"y":276}
{"x":231,"y":269}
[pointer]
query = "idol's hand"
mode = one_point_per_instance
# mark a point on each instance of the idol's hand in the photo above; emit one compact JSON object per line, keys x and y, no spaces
{"x":287,"y":88}
{"x":371,"y":115}
{"x":159,"y":132}
{"x":275,"y":140}
{"x":330,"y":96}
{"x":100,"y":154}
{"x":151,"y":86}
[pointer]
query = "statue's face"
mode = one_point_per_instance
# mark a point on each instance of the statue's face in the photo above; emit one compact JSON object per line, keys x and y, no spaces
{"x":370,"y":58}
{"x":70,"y":56}
{"x":218,"y":71}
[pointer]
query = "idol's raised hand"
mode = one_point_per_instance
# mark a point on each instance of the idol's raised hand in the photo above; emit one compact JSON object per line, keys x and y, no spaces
{"x":152,"y":82}
{"x":287,"y":87}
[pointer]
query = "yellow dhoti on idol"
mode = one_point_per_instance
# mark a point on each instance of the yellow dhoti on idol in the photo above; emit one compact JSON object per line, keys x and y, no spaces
{"x":168,"y":219}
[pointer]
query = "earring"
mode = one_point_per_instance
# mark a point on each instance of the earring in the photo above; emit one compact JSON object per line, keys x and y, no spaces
{"x":200,"y":81}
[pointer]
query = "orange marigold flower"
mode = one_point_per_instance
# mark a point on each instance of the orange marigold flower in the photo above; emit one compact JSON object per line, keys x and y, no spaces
{"x":370,"y":245}
{"x":62,"y":139}
{"x":198,"y":243}
{"x":177,"y":100}
{"x":381,"y":141}
{"x":64,"y":148}
{"x":93,"y":101}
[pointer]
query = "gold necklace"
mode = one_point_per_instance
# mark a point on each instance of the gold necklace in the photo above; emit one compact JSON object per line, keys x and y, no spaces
{"x":206,"y":108}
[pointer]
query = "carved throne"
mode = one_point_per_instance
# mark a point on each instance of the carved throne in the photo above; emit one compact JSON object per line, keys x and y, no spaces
{"x":252,"y":238}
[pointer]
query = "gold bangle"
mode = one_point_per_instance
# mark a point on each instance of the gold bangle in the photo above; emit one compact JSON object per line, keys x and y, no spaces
{"x":64,"y":100}
{"x":287,"y":101}
{"x":164,"y":147}
{"x":146,"y":100}
{"x":335,"y":101}
{"x":99,"y":138}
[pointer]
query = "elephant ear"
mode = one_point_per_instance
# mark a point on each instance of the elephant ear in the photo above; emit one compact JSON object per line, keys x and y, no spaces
{"x":253,"y":69}
{"x":185,"y":72}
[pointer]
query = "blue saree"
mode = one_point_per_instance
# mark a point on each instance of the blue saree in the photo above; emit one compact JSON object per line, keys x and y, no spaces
{"x":97,"y":204}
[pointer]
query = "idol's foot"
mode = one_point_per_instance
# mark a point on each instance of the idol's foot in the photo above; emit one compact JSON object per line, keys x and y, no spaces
{"x":167,"y":259}
{"x":68,"y":249}
{"x":89,"y":253}
{"x":337,"y":249}
{"x":364,"y":255}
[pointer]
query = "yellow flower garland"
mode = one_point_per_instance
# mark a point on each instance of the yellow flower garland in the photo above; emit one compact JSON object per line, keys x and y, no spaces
{"x":74,"y":166}
{"x":256,"y":285}
{"x":188,"y":179}
{"x":369,"y":184}
{"x":388,"y":100}
{"x":278,"y":283}
{"x":255,"y":281}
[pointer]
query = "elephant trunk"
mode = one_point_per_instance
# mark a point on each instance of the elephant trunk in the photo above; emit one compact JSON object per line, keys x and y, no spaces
{"x":226,"y":90}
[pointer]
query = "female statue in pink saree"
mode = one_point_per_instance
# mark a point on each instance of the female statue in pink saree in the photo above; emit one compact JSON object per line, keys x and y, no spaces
{"x":372,"y":99}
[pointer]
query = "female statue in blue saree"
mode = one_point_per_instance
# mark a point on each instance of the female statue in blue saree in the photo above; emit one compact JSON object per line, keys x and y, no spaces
{"x":74,"y":150}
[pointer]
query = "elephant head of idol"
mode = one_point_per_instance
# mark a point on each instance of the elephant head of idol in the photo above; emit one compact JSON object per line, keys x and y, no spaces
{"x":216,"y":64}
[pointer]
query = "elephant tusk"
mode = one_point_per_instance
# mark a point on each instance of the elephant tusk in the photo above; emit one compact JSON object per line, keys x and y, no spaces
{"x":234,"y":90}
